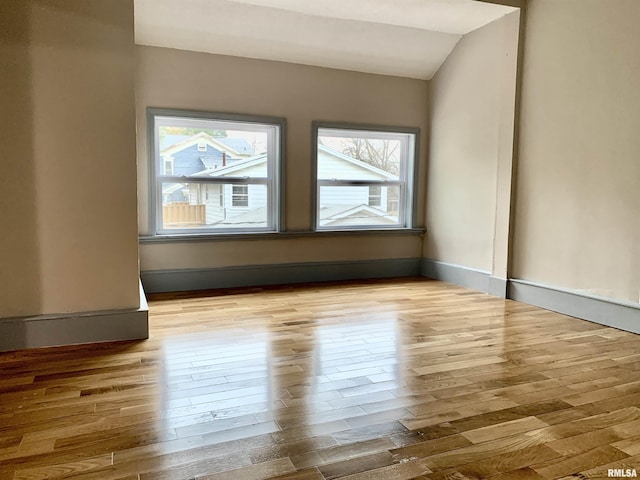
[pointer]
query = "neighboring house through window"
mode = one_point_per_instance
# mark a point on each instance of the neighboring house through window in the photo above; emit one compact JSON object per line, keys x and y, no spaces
{"x":214,"y":173}
{"x":364,"y":176}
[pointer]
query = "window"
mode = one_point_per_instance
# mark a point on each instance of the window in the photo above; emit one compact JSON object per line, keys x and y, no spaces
{"x":240,"y":196}
{"x":168,"y":166}
{"x":375,"y":196}
{"x":364,"y":176}
{"x":233,"y":187}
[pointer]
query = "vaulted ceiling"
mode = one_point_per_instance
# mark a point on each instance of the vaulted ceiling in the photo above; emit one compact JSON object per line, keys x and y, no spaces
{"x":408,"y":38}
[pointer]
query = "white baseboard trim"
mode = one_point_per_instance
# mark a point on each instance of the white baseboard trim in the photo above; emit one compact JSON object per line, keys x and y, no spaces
{"x":155,"y":281}
{"x":605,"y":311}
{"x":74,"y":328}
{"x":465,"y":276}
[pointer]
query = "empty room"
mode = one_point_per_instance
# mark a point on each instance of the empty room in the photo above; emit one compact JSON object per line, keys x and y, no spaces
{"x":317,"y":240}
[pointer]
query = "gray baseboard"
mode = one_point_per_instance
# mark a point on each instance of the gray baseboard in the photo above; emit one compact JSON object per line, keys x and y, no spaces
{"x":155,"y":281}
{"x":605,"y":311}
{"x":70,"y":329}
{"x":464,"y":276}
{"x":498,"y":287}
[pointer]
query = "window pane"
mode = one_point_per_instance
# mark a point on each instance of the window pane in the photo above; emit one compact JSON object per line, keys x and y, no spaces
{"x":213,"y":148}
{"x":194,"y":205}
{"x":240,"y":195}
{"x":344,"y":206}
{"x":364,"y":177}
{"x":358,"y":157}
{"x":215,"y":172}
{"x":375,"y":196}
{"x":168,"y":167}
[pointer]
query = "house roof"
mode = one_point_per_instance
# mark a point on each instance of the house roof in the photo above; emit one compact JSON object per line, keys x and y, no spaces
{"x":240,"y":145}
{"x":169,"y":188}
{"x":333,"y":215}
{"x":336,"y":214}
{"x":251,"y":218}
{"x":209,"y":161}
{"x":234,"y":167}
{"x":238,"y":166}
{"x":356,"y":162}
{"x":237,"y":147}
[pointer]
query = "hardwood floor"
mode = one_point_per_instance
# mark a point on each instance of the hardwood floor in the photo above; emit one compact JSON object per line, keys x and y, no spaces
{"x":389,"y":380}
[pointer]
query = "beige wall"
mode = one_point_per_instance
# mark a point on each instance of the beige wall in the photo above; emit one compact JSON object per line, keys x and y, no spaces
{"x":19,"y":255}
{"x":578,"y":195}
{"x":471,"y":119}
{"x":189,"y":80}
{"x":68,"y":196}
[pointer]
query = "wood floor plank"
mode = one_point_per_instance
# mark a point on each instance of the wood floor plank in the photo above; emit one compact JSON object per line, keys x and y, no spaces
{"x":602,"y":471}
{"x":258,"y":471}
{"x":306,"y":474}
{"x":631,"y":445}
{"x":585,"y":461}
{"x":521,"y":474}
{"x":504,"y":429}
{"x":413,"y":469}
{"x":499,"y":464}
{"x":64,"y":469}
{"x":357,"y":465}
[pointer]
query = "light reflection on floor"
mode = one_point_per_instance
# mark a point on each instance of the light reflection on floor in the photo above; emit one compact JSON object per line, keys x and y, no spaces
{"x":231,"y":381}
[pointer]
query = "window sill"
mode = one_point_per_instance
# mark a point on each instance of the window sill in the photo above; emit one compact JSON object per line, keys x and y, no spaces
{"x":225,"y":237}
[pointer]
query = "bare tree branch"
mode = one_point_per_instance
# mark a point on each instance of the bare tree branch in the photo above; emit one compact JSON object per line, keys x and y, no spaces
{"x":378,"y":153}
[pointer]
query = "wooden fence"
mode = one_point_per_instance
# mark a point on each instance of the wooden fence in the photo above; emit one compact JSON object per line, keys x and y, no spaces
{"x":183,"y":214}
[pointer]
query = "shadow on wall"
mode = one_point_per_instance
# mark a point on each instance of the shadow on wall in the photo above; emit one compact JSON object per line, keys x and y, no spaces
{"x":20,"y":287}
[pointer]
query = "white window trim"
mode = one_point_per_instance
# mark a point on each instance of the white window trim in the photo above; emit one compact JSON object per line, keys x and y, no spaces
{"x":167,"y":160}
{"x":377,"y":196}
{"x":407,"y":182}
{"x":236,"y":196}
{"x":274,"y":179}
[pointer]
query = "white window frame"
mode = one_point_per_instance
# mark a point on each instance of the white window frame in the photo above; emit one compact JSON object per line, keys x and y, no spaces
{"x":377,"y":196}
{"x":275,"y":129}
{"x":407,"y":182}
{"x":242,"y":196}
{"x":168,"y":161}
